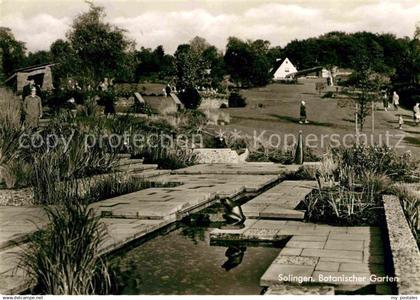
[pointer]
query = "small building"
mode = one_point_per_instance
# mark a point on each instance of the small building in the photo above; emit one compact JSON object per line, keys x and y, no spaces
{"x":41,"y":74}
{"x":284,"y":69}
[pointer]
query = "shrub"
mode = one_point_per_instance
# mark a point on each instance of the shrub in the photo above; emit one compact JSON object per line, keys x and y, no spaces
{"x":165,"y":156}
{"x":236,"y":100}
{"x":328,"y":95}
{"x":64,"y":259}
{"x":282,"y":156}
{"x":340,"y":206}
{"x":190,"y":98}
{"x":378,"y":160}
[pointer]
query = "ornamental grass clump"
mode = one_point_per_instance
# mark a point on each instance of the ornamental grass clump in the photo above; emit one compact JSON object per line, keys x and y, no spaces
{"x":64,"y":258}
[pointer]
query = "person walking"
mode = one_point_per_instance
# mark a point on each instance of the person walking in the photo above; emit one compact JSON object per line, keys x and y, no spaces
{"x":32,"y":109}
{"x":416,"y":111}
{"x":400,"y":122}
{"x":303,"y":118}
{"x":385,"y":101}
{"x":395,"y":100}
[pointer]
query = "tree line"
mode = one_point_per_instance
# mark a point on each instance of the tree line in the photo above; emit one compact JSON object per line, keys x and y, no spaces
{"x":93,"y":49}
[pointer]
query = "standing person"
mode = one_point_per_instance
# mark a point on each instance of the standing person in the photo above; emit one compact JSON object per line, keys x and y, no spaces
{"x":303,"y":113}
{"x":395,"y":100}
{"x":385,"y":101}
{"x":168,"y":90}
{"x":400,"y":122}
{"x":32,"y":109}
{"x":416,"y":111}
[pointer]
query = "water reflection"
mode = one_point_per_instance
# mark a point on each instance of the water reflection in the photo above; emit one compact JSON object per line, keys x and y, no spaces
{"x":235,"y":255}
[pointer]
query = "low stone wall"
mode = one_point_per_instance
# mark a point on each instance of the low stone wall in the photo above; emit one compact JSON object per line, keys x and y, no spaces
{"x":405,"y":253}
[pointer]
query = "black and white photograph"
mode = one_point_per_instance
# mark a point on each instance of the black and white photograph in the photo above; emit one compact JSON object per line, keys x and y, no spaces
{"x":210,"y":148}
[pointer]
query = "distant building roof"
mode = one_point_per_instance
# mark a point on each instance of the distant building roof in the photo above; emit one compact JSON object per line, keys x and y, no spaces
{"x":30,"y":69}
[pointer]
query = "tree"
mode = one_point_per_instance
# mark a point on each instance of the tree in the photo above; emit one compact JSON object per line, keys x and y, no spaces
{"x":214,"y":62}
{"x":187,"y":67}
{"x":364,"y":89}
{"x":12,"y":53}
{"x":38,"y":57}
{"x":248,"y":63}
{"x":67,"y":61}
{"x":101,"y":49}
{"x":154,"y":64}
{"x":188,"y":70}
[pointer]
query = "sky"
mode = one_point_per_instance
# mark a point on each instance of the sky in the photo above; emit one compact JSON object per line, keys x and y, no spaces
{"x":150,"y":23}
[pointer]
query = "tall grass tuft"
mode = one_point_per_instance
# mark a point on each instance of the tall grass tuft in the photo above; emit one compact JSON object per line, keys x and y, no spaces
{"x":10,"y":108}
{"x":64,"y":258}
{"x":10,"y":132}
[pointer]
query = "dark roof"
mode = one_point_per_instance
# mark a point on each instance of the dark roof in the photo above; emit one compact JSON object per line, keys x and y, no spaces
{"x":277,"y":65}
{"x":29,"y":69}
{"x":307,"y":71}
{"x":35,"y":67}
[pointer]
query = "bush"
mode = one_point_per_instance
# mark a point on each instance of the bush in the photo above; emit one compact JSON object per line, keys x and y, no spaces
{"x":169,"y":158}
{"x":282,"y":156}
{"x":409,"y":95}
{"x":328,"y":95}
{"x":375,"y":159}
{"x":340,"y":206}
{"x":64,"y":259}
{"x":190,"y":98}
{"x":236,"y":100}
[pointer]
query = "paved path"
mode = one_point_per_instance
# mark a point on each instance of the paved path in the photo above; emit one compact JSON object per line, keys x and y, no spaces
{"x":18,"y":222}
{"x":131,"y":216}
{"x":318,"y":253}
{"x":280,"y":201}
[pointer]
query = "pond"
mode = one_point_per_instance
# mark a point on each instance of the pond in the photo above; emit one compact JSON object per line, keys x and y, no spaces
{"x":183,"y":262}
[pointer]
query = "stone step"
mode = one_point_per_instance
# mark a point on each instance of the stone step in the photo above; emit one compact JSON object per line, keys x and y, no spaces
{"x":128,"y":161}
{"x":146,"y":174}
{"x":288,"y":194}
{"x":278,"y":213}
{"x":292,"y":289}
{"x":137,"y":167}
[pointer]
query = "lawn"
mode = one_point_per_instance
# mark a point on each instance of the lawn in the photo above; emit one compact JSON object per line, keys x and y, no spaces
{"x":280,"y":114}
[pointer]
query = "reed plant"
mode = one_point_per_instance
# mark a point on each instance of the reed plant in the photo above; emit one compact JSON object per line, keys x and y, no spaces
{"x":65,"y":258}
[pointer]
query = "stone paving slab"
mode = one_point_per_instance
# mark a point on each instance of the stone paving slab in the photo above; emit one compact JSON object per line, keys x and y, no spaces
{"x":241,"y":168}
{"x":316,"y":250}
{"x":122,"y":231}
{"x":251,"y":183}
{"x":280,"y":201}
{"x":137,"y":167}
{"x":18,"y":222}
{"x":146,"y":174}
{"x":297,"y":290}
{"x":275,"y":273}
{"x":287,"y":194}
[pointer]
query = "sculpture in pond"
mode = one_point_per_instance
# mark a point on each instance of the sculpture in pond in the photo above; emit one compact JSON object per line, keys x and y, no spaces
{"x":233,"y":213}
{"x":235,"y":254}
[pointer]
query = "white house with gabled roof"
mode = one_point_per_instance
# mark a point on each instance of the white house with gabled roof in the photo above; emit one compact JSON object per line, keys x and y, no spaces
{"x":284,"y":68}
